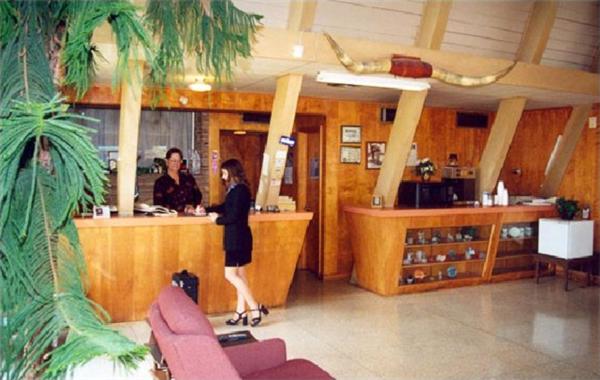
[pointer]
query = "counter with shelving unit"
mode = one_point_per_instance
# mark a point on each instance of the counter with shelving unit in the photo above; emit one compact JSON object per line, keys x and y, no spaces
{"x":399,"y":251}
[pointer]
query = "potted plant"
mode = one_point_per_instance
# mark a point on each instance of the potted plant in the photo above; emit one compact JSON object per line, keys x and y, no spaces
{"x":425,"y":168}
{"x":567,"y":208}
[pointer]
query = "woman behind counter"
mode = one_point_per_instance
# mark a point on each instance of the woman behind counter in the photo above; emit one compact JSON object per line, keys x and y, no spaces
{"x":237,"y":240}
{"x":176,"y":190}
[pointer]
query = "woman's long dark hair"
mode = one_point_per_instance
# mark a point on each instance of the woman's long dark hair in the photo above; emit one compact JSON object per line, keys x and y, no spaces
{"x":236,"y":171}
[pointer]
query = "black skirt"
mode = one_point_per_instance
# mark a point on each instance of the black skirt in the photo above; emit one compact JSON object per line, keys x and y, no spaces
{"x":238,"y":258}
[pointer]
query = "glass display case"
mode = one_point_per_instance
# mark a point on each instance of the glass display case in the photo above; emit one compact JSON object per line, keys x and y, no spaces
{"x":518,"y":242}
{"x":442,"y":254}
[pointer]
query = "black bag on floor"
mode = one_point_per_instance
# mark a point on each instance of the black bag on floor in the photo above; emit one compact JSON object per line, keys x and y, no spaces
{"x":188,"y":282}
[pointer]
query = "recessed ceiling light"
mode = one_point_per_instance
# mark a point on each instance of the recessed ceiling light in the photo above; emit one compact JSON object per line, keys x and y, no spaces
{"x":200,"y":86}
{"x":298,"y":51}
{"x":239,"y":132}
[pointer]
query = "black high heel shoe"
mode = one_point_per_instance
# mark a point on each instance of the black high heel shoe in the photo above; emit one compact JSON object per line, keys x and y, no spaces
{"x":240,"y":317}
{"x":261,"y":310}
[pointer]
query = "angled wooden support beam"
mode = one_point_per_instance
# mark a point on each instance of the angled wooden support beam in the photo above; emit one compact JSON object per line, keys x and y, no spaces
{"x":302,"y":15}
{"x":129,"y":125}
{"x":566,"y":147}
{"x":433,"y":24}
{"x":537,"y":33}
{"x":401,"y":137}
{"x":492,"y":159}
{"x":282,"y":123}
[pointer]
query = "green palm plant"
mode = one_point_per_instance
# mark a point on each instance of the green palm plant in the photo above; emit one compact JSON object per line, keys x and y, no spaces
{"x":49,"y":168}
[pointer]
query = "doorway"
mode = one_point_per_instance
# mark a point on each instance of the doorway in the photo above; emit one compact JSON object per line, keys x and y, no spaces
{"x":303,"y":178}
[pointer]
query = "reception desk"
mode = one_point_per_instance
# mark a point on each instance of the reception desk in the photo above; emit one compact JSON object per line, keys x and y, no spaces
{"x":399,"y":251}
{"x":129,"y":259}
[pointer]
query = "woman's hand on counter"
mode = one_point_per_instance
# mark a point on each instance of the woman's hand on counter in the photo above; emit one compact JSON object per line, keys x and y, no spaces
{"x":213,"y":216}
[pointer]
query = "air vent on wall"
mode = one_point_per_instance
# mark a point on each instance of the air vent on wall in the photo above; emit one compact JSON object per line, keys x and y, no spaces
{"x":388,"y":114}
{"x":256,"y":117}
{"x":471,"y":120}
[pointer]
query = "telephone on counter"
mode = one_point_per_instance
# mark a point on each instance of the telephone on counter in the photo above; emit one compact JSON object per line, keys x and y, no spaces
{"x":155,"y":210}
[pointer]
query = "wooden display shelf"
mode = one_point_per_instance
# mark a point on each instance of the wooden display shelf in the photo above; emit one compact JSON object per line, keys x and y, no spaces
{"x":378,"y":238}
{"x":514,"y":255}
{"x":462,"y":279}
{"x":434,"y":263}
{"x":518,"y":239}
{"x":445,"y":244}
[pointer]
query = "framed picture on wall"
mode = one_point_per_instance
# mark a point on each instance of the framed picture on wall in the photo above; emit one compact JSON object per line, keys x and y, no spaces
{"x":350,"y":134}
{"x":375,"y":153}
{"x":350,"y":154}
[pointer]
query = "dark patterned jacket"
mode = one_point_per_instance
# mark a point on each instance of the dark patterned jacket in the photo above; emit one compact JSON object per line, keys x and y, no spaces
{"x":167,"y":193}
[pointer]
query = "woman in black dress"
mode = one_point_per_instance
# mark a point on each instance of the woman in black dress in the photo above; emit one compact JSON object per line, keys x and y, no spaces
{"x":237,"y":240}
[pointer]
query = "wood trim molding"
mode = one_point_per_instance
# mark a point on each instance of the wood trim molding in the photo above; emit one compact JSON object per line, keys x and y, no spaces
{"x":571,"y":134}
{"x":433,"y":24}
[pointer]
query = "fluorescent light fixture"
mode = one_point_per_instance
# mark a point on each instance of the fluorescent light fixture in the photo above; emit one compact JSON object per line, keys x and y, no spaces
{"x":200,"y":86}
{"x":372,"y":81}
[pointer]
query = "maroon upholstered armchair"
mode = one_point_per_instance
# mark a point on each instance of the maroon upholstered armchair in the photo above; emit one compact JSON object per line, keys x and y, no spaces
{"x":192,"y":351}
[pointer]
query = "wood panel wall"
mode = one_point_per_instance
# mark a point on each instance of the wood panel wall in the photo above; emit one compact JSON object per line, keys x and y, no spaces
{"x":531,"y":147}
{"x":436,"y":137}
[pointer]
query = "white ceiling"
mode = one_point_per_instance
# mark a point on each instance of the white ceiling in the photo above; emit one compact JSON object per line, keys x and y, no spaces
{"x":484,"y":28}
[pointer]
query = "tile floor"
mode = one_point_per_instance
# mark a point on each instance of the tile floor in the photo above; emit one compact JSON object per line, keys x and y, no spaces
{"x":511,"y":330}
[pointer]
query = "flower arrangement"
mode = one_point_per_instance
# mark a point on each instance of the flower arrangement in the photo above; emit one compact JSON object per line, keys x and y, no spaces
{"x":425,"y":168}
{"x":567,"y":208}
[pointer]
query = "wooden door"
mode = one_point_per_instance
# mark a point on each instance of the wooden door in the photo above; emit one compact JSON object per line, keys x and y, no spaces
{"x":248,"y":149}
{"x":309,"y":195}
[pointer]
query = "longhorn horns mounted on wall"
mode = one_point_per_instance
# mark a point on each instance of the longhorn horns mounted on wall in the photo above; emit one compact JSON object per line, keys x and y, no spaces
{"x":413,"y":67}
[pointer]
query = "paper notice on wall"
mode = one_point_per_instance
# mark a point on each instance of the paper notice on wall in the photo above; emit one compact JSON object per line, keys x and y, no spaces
{"x":288,"y":175}
{"x":265,"y":165}
{"x":280,"y":156}
{"x":412,"y":155}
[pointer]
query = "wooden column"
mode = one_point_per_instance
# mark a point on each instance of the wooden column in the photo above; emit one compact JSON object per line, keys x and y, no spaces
{"x":129,"y":123}
{"x":282,"y":122}
{"x":565,"y":150}
{"x":301,"y":15}
{"x":433,"y":24}
{"x":498,"y":142}
{"x":401,"y":137}
{"x":538,"y":30}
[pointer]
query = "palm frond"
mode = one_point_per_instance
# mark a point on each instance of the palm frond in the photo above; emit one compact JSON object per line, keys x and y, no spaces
{"x":217,"y":39}
{"x":8,"y":22}
{"x":80,"y":54}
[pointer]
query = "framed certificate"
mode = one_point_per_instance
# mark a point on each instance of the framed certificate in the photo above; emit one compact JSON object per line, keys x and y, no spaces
{"x":350,"y":134}
{"x":350,"y":155}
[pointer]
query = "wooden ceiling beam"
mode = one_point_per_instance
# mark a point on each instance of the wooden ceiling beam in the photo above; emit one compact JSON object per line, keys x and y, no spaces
{"x":497,"y":145}
{"x":302,"y":15}
{"x":281,"y":124}
{"x":408,"y":114}
{"x":562,"y":157}
{"x":278,"y":44}
{"x":538,"y":31}
{"x":433,"y":24}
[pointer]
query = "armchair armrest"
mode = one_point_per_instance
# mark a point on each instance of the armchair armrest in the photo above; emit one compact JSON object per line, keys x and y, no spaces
{"x":257,"y":356}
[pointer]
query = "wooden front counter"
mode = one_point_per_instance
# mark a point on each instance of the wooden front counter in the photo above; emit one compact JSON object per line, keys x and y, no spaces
{"x":130,"y":259}
{"x":379,"y":243}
